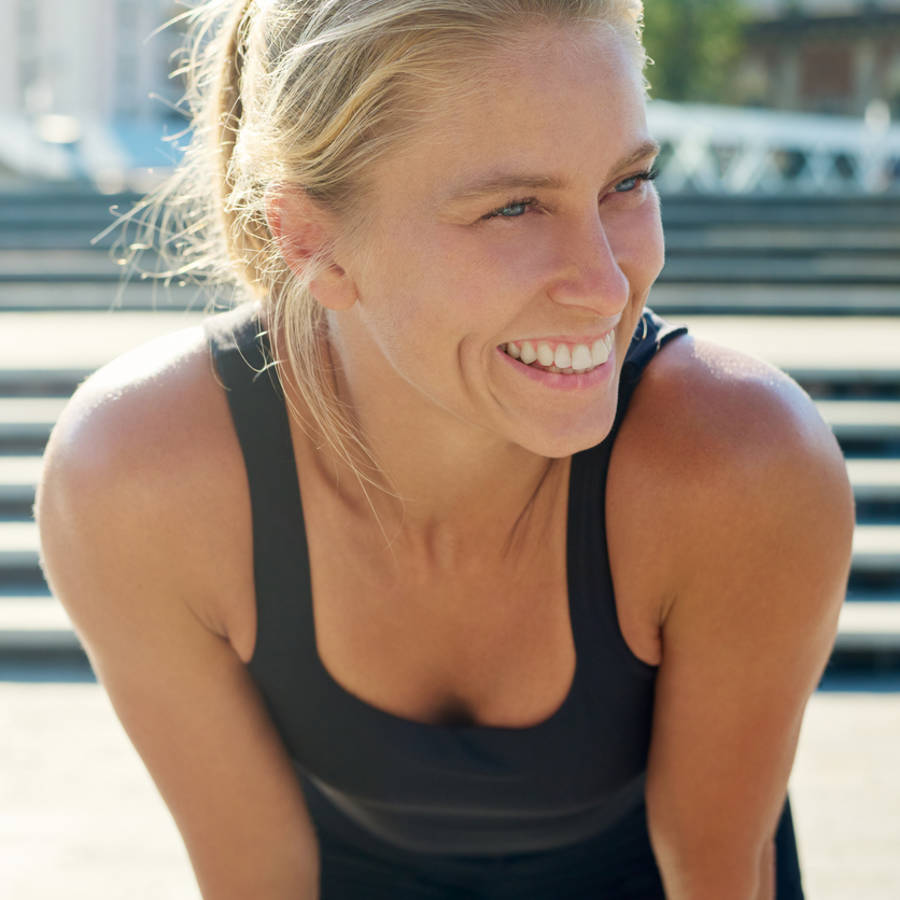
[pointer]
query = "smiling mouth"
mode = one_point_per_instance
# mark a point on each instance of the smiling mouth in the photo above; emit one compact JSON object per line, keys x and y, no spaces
{"x":560,"y":358}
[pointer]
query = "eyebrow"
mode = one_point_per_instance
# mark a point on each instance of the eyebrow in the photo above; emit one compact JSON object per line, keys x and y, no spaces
{"x":511,"y":181}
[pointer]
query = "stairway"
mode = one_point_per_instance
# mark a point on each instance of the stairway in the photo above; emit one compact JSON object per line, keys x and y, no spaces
{"x":812,"y":285}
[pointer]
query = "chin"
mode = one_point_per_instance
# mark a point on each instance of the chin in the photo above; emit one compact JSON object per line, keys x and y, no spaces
{"x":564,"y":442}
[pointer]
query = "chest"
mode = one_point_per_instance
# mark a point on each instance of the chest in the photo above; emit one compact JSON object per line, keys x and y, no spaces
{"x":483,"y":642}
{"x":487,"y":640}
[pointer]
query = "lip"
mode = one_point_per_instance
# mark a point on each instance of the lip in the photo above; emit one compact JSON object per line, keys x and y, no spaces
{"x":558,"y":382}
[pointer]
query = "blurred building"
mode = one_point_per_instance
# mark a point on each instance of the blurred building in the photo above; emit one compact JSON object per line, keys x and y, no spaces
{"x":826,"y":56}
{"x":87,"y":59}
{"x":85,"y":94}
{"x":83,"y":83}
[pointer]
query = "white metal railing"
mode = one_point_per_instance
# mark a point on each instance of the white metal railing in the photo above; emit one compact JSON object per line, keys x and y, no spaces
{"x":720,"y":149}
{"x":706,"y":149}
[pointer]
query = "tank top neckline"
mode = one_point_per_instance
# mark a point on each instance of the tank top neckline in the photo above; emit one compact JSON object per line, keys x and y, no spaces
{"x":464,"y":727}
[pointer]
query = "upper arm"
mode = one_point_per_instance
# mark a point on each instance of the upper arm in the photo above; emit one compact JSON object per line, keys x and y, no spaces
{"x":757,"y":531}
{"x":119,"y":513}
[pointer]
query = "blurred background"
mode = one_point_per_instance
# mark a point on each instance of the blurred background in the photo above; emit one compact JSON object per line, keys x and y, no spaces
{"x":780,"y":177}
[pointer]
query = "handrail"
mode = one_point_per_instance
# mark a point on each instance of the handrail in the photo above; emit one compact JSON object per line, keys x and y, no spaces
{"x":731,"y":150}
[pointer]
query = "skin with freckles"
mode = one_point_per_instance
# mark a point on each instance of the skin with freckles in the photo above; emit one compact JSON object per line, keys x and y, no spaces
{"x":522,"y":211}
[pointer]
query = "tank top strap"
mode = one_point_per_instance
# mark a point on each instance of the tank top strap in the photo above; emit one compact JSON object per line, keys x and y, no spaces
{"x":592,"y":594}
{"x":650,"y":336}
{"x":242,"y":357}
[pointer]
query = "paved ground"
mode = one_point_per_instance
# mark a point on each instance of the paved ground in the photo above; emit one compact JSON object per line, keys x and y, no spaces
{"x":80,"y":819}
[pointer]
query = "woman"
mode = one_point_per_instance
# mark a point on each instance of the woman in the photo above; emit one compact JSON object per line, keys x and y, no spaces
{"x":563,"y":579}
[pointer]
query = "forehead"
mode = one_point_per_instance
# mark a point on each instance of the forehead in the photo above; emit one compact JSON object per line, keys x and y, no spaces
{"x":552,"y":100}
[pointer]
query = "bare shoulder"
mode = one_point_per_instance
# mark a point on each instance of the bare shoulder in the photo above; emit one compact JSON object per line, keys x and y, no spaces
{"x":722,"y":453}
{"x":143,"y":465}
{"x":145,"y":534}
{"x":731,"y":522}
{"x":729,"y":410}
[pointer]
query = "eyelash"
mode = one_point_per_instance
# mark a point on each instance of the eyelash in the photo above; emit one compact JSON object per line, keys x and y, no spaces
{"x":531,"y":202}
{"x":647,"y":176}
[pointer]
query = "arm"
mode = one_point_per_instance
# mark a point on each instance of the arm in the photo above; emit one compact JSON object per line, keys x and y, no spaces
{"x":121,"y":519}
{"x":756,"y":532}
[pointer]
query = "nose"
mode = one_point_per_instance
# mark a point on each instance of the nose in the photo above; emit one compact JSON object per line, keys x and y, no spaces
{"x":588,"y":273}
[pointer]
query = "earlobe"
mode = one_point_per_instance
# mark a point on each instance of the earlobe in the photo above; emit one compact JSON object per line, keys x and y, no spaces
{"x":304,"y":236}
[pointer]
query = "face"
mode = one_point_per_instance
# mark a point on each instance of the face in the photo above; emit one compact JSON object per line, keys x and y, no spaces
{"x":508,"y":249}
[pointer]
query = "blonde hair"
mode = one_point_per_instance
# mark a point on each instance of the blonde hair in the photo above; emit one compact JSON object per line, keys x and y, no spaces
{"x":309,"y":93}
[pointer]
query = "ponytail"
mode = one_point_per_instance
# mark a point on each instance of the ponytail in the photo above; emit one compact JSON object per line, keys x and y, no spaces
{"x":246,"y":241}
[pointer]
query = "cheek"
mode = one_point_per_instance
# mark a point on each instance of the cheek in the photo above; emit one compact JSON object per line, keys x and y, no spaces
{"x":395,"y":281}
{"x":470,"y":282}
{"x":419,"y":302}
{"x":504,"y":269}
{"x":639,"y":244}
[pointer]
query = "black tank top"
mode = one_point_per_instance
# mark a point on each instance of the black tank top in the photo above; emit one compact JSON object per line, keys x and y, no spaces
{"x":466,"y":790}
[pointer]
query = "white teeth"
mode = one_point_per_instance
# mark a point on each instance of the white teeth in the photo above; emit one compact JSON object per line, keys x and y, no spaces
{"x":581,"y":359}
{"x":600,"y":352}
{"x":545,"y":356}
{"x":563,"y":358}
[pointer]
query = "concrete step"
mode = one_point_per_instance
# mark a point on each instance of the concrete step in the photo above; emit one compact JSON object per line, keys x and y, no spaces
{"x":19,"y":476}
{"x":34,"y":622}
{"x":746,"y":240}
{"x":36,"y":346}
{"x":690,"y":297}
{"x":683,"y":296}
{"x":39,"y":622}
{"x":869,"y":626}
{"x":78,"y":236}
{"x":727,"y":267}
{"x":876,"y":548}
{"x":18,"y":545}
{"x":30,"y":264}
{"x":797,"y":257}
{"x":29,"y":420}
{"x":820,"y":348}
{"x":96,"y":295}
{"x":22,"y":213}
{"x":815,"y":349}
{"x":820,"y":213}
{"x":873,"y":479}
{"x":862,"y":419}
{"x":783,"y":239}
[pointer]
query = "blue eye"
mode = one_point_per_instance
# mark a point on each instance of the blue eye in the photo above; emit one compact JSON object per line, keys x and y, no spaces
{"x":629,"y":184}
{"x":514,"y":210}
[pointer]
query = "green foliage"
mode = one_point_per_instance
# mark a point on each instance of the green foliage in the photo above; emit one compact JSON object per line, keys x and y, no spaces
{"x":695,"y":45}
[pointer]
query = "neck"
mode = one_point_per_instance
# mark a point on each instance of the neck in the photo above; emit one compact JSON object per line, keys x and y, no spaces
{"x":444,"y":490}
{"x":449,"y":499}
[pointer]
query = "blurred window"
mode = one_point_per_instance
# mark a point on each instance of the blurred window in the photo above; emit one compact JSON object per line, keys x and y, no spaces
{"x":826,"y":73}
{"x":128,"y":99}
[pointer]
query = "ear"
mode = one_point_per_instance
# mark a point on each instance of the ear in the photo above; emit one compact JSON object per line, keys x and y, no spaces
{"x":304,"y":233}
